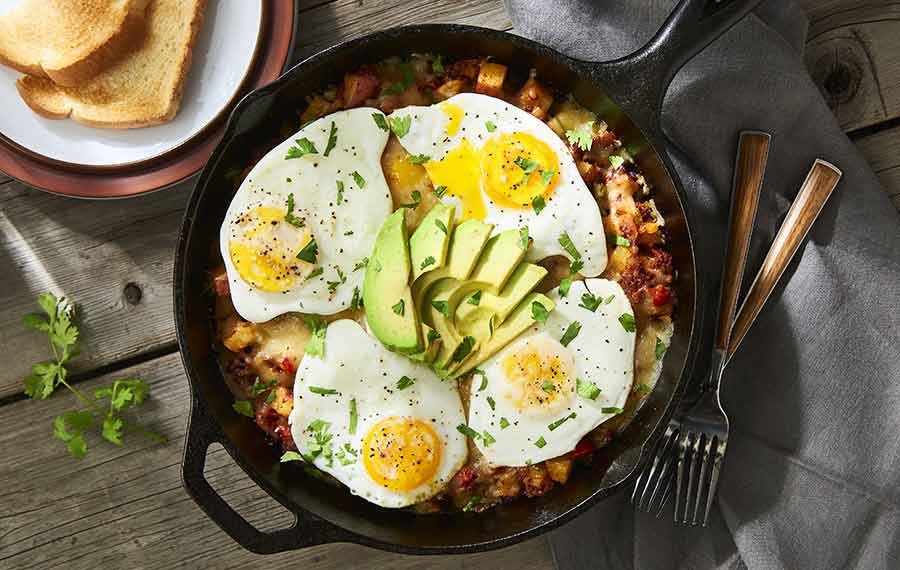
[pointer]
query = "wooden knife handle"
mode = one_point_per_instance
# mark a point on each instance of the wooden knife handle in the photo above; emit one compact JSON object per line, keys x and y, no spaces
{"x":817,"y":188}
{"x":750,"y":167}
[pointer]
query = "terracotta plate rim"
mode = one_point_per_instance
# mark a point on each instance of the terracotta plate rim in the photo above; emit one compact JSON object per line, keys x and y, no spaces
{"x":177,"y":165}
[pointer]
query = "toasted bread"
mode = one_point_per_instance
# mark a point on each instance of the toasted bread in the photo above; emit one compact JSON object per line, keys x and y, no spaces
{"x":142,"y":89}
{"x":69,"y":41}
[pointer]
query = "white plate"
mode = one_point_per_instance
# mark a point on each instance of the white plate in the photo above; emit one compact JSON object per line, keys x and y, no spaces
{"x":222,"y":57}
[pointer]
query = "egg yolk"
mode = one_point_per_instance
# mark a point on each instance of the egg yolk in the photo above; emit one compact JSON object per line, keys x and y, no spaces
{"x":401,"y":453}
{"x":517,"y":168}
{"x":264,"y":248}
{"x":537,"y":377}
{"x":454,"y":117}
{"x":460,"y":174}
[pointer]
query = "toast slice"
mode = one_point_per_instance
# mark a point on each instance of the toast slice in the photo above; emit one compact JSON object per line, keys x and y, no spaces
{"x":69,"y":41}
{"x":142,"y":89}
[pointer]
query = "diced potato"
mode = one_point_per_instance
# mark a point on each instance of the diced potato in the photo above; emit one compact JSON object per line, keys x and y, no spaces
{"x":284,"y":401}
{"x":449,"y":89}
{"x":318,"y":107}
{"x":239,"y":336}
{"x":559,"y":469}
{"x":534,"y":98}
{"x":490,"y":79}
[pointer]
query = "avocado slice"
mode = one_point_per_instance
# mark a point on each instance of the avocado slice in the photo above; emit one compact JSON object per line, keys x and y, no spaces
{"x":471,"y":319}
{"x":501,"y":255}
{"x":386,"y":294}
{"x":466,"y":243}
{"x":429,"y":242}
{"x":432,"y":345}
{"x":518,"y":322}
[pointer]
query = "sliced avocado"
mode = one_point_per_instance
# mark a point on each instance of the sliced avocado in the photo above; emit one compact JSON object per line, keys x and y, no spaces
{"x":428,"y":244}
{"x":386,"y":295}
{"x":471,"y":319}
{"x":432,"y":345}
{"x":433,"y":316}
{"x":518,"y":322}
{"x":501,"y":255}
{"x":466,"y":242}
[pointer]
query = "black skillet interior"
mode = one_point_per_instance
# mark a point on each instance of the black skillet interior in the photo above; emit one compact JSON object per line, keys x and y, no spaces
{"x":330,"y":514}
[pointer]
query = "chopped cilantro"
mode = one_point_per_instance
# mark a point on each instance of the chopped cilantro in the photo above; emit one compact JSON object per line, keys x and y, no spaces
{"x":528,"y":166}
{"x":609,"y":299}
{"x":586,"y":389}
{"x":442,"y":306}
{"x":547,"y":176}
{"x":398,"y":308}
{"x":490,"y":126}
{"x":561,"y":421}
{"x":439,"y":191}
{"x":400,"y":125}
{"x":356,"y":301}
{"x":463,"y":350}
{"x":612,"y":410}
{"x":309,"y":252}
{"x":340,"y":192}
{"x":289,"y":216}
{"x":504,"y":423}
{"x":627,"y":322}
{"x":564,"y":285}
{"x":590,"y":302}
{"x":538,"y":204}
{"x":357,"y":177}
{"x":475,"y":298}
{"x":582,"y":137}
{"x":381,"y":121}
{"x":419,"y":158}
{"x":361,"y":264}
{"x":315,"y":346}
{"x":430,"y":260}
{"x":616,"y":161}
{"x":491,"y":402}
{"x":416,"y":200}
{"x":354,"y":416}
{"x":467,"y":431}
{"x":539,"y":312}
{"x":441,"y":226}
{"x":571,"y":332}
{"x":317,"y":272}
{"x":484,"y":380}
{"x":547,"y":386}
{"x":660,"y":348}
{"x":332,"y":139}
{"x":304,"y":146}
{"x":405,"y":382}
{"x":437,"y":65}
{"x":487,"y":438}
{"x":473,"y":502}
{"x":322,"y":391}
{"x":624,"y":242}
{"x":541,"y":442}
{"x":244,"y":408}
{"x":523,"y":238}
{"x":575,"y":266}
{"x":566,"y":242}
{"x":291,"y":456}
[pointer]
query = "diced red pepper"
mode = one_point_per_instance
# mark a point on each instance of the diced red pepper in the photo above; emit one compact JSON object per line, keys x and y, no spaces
{"x":584,"y":448}
{"x":465,"y":476}
{"x":220,"y":285}
{"x":287,"y":365}
{"x":661,"y":295}
{"x":283,"y":432}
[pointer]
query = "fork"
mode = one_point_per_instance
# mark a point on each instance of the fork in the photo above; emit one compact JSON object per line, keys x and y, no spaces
{"x":704,"y":426}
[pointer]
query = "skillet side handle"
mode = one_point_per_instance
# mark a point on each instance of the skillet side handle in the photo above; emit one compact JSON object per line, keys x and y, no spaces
{"x":201,"y":433}
{"x":641,"y":79}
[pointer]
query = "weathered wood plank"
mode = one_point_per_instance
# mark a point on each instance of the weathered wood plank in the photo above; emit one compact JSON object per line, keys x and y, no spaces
{"x":113,"y":258}
{"x":853,"y":54}
{"x":342,"y":20}
{"x":882,"y":151}
{"x":124,"y":507}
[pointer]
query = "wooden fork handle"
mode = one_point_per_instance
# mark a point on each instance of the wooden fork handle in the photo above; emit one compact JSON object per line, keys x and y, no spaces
{"x":815,"y":191}
{"x":753,"y":152}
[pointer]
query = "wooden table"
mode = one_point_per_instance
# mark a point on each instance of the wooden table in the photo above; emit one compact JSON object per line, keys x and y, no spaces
{"x":124,"y":507}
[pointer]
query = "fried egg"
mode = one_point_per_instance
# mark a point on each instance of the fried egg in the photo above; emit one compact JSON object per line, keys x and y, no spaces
{"x":381,"y":424}
{"x":542,"y":393}
{"x":499,"y":164}
{"x":305,"y":216}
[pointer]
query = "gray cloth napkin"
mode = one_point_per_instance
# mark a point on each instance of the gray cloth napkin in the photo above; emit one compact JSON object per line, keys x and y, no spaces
{"x":812,"y":475}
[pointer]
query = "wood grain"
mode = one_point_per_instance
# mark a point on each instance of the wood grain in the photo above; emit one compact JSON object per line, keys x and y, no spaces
{"x":814,"y":192}
{"x":749,"y":171}
{"x":853,"y":55}
{"x":113,"y":258}
{"x":124,"y":507}
{"x":882,"y":151}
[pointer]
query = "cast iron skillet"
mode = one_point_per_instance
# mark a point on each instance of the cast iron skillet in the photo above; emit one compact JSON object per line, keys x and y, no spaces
{"x":627,"y":93}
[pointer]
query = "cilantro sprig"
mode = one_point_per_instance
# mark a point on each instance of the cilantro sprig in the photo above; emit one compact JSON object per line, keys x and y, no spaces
{"x":71,"y":426}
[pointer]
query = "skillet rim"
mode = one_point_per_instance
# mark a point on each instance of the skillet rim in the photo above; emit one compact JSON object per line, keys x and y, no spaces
{"x":305,"y":518}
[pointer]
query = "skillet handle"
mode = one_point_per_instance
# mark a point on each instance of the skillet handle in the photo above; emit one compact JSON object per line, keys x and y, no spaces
{"x":307,"y":530}
{"x":639,"y":81}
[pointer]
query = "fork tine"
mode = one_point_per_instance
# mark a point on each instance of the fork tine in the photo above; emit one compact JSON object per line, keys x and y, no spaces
{"x":647,"y":476}
{"x":705,"y":451}
{"x":692,"y":481}
{"x":719,"y":450}
{"x":670,"y":480}
{"x":666,"y":455}
{"x":679,"y":488}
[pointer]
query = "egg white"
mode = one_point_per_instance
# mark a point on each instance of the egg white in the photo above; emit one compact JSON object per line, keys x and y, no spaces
{"x":344,"y":233}
{"x":571,"y":208}
{"x":602,"y":353}
{"x":361,"y":368}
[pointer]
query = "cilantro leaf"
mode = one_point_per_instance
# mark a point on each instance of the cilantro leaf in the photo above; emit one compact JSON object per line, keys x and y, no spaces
{"x":467,"y":431}
{"x":627,"y":322}
{"x":112,"y":429}
{"x":357,"y":177}
{"x":504,"y":423}
{"x":310,"y":252}
{"x":381,"y":121}
{"x":586,"y":389}
{"x":463,"y":350}
{"x":439,"y":191}
{"x":541,"y":442}
{"x":612,"y":410}
{"x":582,"y":137}
{"x":660,"y":348}
{"x":487,"y":438}
{"x":564,"y":285}
{"x":616,"y":161}
{"x":437,"y":66}
{"x":548,"y":386}
{"x":561,"y":421}
{"x":315,"y":346}
{"x":36,"y":321}
{"x":400,"y":125}
{"x":289,"y":217}
{"x":547,"y":176}
{"x":475,"y":298}
{"x":430,"y":260}
{"x":624,"y":242}
{"x":244,"y":408}
{"x":304,"y":146}
{"x":538,"y":204}
{"x":571,"y":332}
{"x":405,"y":382}
{"x":332,"y":139}
{"x":441,"y":226}
{"x":419,"y":158}
{"x":539,"y":312}
{"x":490,"y":126}
{"x":528,"y":166}
{"x":416,"y":200}
{"x":43,"y":379}
{"x":590,"y":302}
{"x":398,"y":308}
{"x":566,"y":242}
